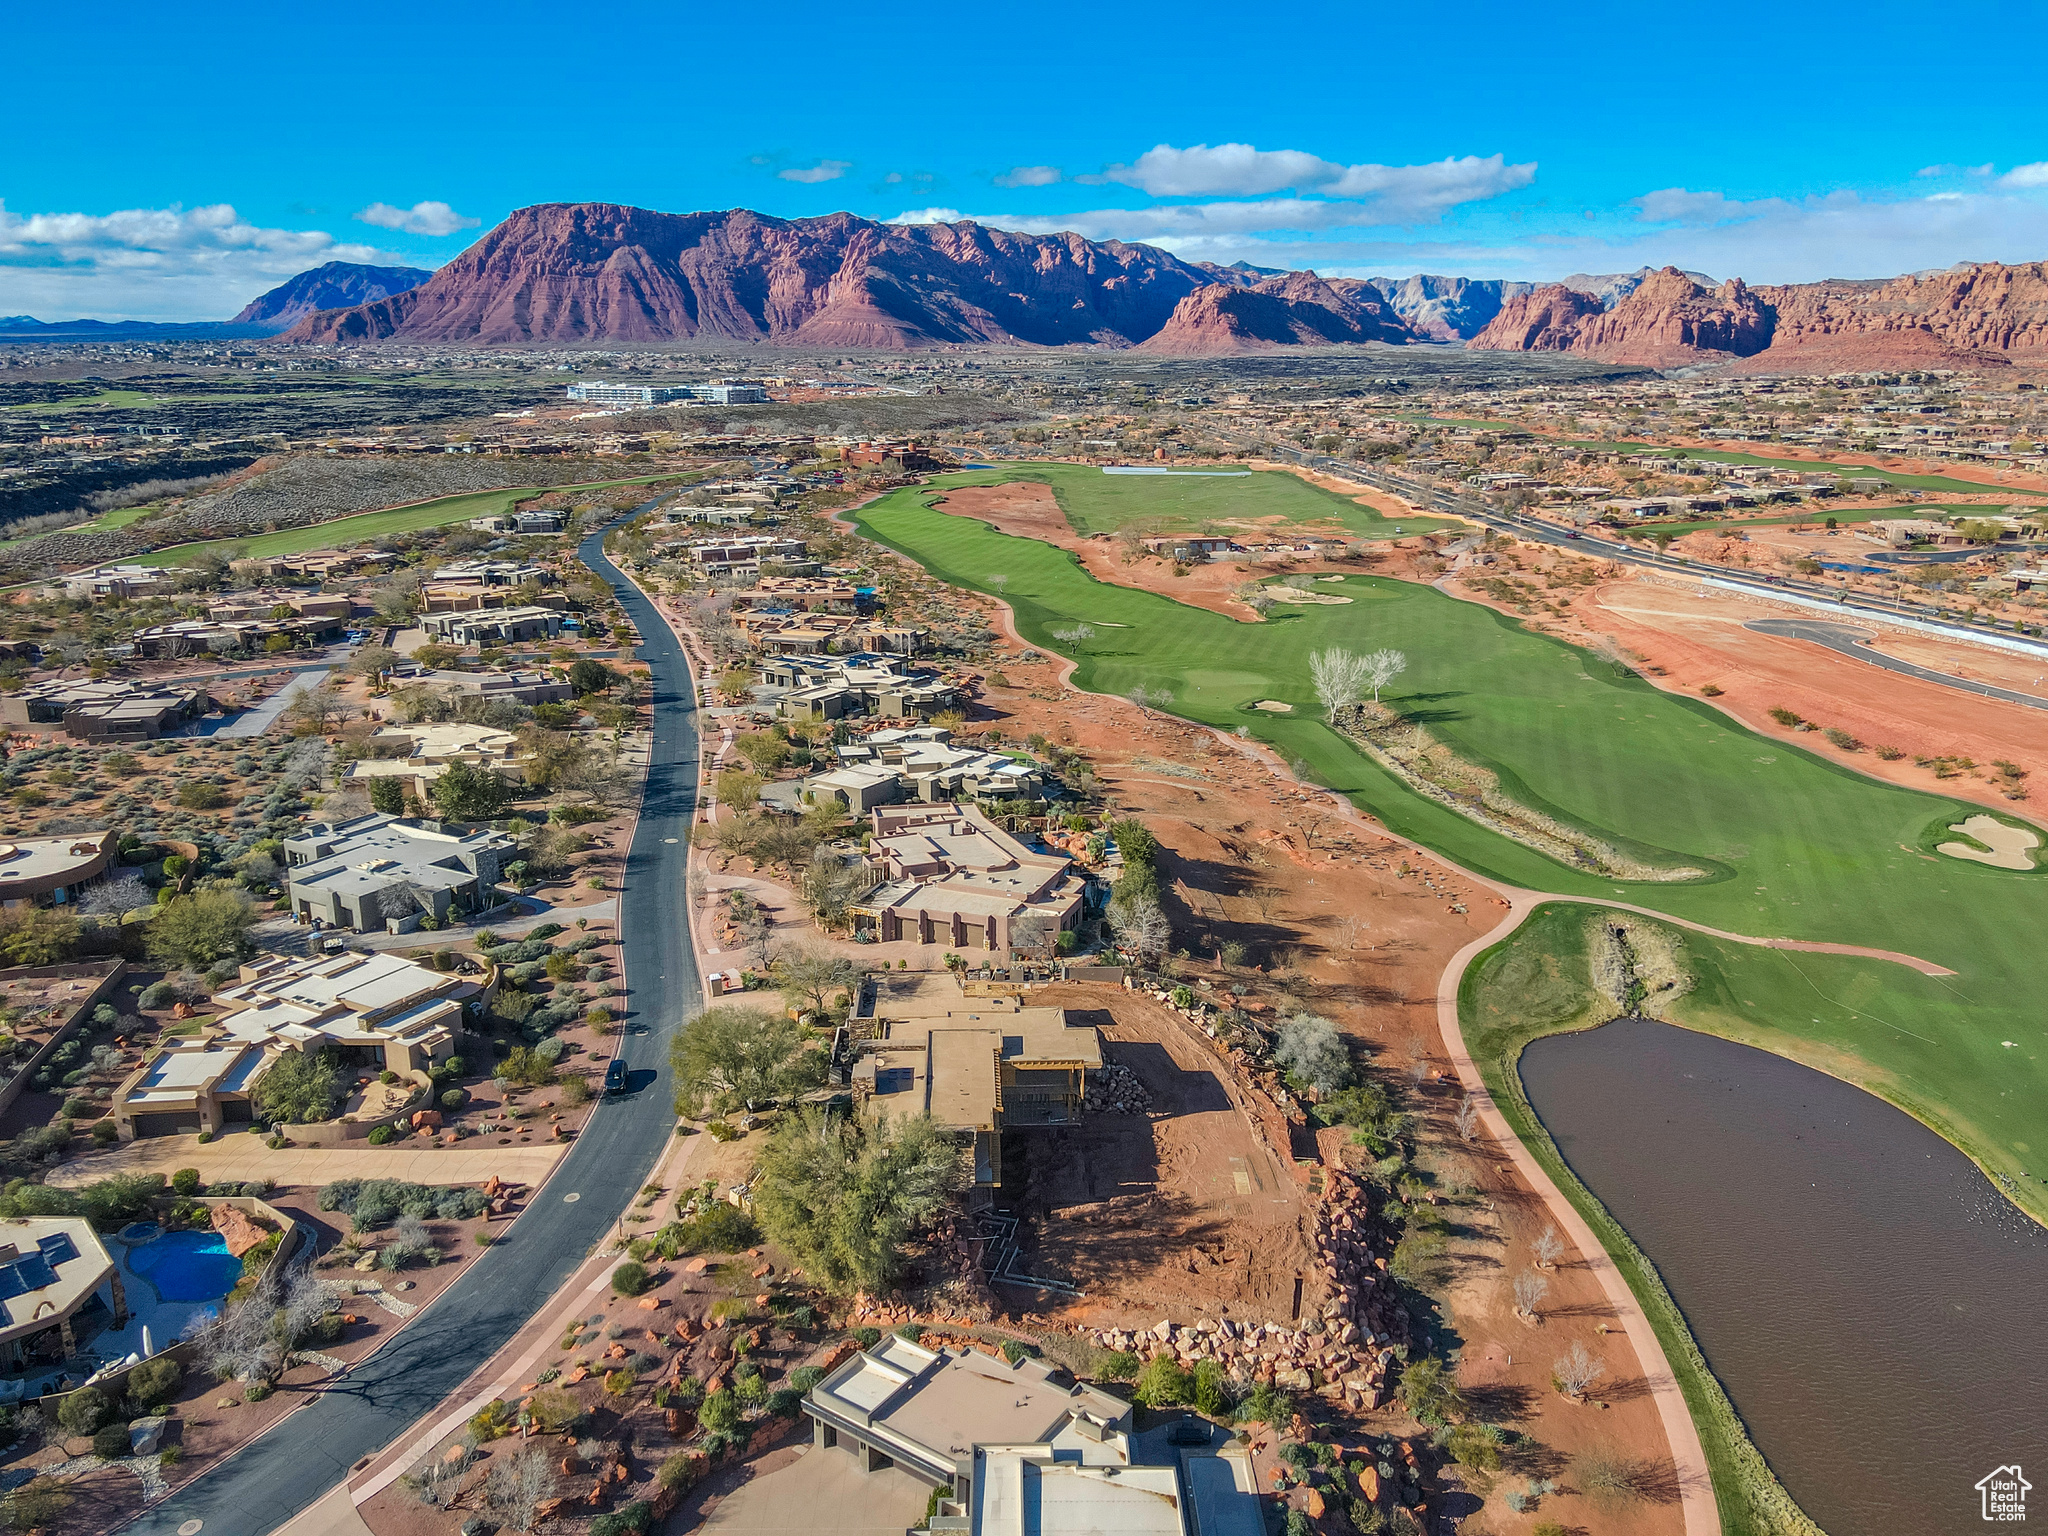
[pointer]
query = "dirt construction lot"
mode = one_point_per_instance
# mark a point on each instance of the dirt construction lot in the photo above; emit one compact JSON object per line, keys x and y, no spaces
{"x":1182,"y":1211}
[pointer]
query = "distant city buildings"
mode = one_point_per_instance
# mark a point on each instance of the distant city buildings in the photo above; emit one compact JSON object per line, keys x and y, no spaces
{"x":594,"y":393}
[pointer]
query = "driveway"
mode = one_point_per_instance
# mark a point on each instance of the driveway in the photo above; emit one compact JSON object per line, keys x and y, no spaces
{"x":297,"y":1462}
{"x":243,"y":1156}
{"x":822,"y":1491}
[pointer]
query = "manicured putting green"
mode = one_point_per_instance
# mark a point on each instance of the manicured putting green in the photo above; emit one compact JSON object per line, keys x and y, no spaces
{"x":1800,"y":846}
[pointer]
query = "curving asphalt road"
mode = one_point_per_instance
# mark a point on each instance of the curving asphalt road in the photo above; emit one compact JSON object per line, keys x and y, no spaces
{"x":294,"y":1464}
{"x":1855,"y":642}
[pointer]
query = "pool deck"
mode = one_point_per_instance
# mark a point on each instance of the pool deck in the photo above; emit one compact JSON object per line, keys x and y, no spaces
{"x":242,"y":1156}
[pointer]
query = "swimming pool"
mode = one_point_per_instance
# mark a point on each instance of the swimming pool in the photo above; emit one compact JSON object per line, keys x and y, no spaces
{"x":187,"y":1266}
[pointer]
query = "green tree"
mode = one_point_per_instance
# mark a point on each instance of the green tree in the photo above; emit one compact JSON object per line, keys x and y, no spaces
{"x":470,"y":792}
{"x":1164,"y":1383}
{"x":300,"y":1087}
{"x":198,"y":931}
{"x":766,"y":752}
{"x":387,"y":795}
{"x":588,"y":676}
{"x":809,"y":975}
{"x":730,"y":1057}
{"x":37,"y":935}
{"x":846,"y":1198}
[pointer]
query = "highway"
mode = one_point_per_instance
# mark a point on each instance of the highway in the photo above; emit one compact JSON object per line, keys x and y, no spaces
{"x":504,"y":1285}
{"x":1451,"y":504}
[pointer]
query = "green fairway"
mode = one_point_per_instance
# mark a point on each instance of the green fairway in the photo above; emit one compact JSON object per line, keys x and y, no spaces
{"x":1798,"y":844}
{"x":1099,"y":503}
{"x":370,"y":525}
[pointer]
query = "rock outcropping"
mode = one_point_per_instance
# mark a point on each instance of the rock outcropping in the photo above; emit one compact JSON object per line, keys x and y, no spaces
{"x":1447,"y":308}
{"x":1666,"y":321}
{"x":1980,"y":314}
{"x":337,"y":285}
{"x":1299,"y":309}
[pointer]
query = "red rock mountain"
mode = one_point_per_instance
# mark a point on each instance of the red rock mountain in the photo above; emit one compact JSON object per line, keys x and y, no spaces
{"x":1296,"y":310}
{"x":599,"y":272}
{"x":572,"y":272}
{"x":1975,"y":315}
{"x":1667,"y":321}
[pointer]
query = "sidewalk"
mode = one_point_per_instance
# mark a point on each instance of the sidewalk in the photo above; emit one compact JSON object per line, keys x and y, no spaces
{"x":244,"y":1156}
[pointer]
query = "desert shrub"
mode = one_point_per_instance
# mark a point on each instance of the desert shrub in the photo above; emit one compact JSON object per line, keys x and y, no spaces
{"x":84,"y":1411}
{"x":631,"y":1520}
{"x":151,"y":1383}
{"x":1016,"y":1349}
{"x":186,"y":1181}
{"x":630,"y":1278}
{"x":720,"y":1413}
{"x":1266,"y":1406}
{"x":716,"y":1229}
{"x":556,"y":1411}
{"x":1119,"y":1365}
{"x":111,"y":1441}
{"x":867,"y":1338}
{"x":1785,"y":717}
{"x":1163,"y":1383}
{"x":1212,"y":1394}
{"x":379,"y":1135}
{"x":682,"y":1470}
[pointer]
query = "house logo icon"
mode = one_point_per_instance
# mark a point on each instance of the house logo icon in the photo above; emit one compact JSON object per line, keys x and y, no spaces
{"x":2005,"y":1495}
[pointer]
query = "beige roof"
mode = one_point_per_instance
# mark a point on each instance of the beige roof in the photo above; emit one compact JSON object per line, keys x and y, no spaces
{"x":46,"y":1285}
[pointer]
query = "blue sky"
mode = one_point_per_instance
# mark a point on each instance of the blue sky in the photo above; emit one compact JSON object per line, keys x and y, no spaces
{"x":170,"y":163}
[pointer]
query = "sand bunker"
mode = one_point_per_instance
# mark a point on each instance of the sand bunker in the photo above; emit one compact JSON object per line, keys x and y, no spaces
{"x":1274,"y":707}
{"x":1296,"y":595}
{"x":2008,"y":845}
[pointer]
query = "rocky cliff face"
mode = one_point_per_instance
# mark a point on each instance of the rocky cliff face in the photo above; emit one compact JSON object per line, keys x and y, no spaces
{"x":335,"y":286}
{"x":1296,"y":310}
{"x":568,"y":272}
{"x":1667,"y":320}
{"x":1447,"y":308}
{"x":1971,"y":314}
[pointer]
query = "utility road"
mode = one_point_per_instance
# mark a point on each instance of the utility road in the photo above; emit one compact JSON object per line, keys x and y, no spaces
{"x":295,"y":1463}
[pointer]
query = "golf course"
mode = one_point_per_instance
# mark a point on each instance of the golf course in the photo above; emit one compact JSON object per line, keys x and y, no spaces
{"x":1786,"y":843}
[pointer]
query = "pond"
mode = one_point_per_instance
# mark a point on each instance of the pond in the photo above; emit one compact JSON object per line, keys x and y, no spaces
{"x":187,"y":1266}
{"x":1870,"y":1302}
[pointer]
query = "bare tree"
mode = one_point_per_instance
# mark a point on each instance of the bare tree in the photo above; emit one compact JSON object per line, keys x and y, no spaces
{"x":1000,"y":583}
{"x":1140,"y":926}
{"x":1340,"y":677}
{"x":1547,"y":1249}
{"x":1350,"y":930}
{"x":1381,"y":668}
{"x":1418,"y":1059}
{"x":1576,"y":1370}
{"x":1609,"y":650}
{"x":1075,"y":634}
{"x":1530,"y":1289}
{"x":518,"y":1486}
{"x":1467,"y":1119}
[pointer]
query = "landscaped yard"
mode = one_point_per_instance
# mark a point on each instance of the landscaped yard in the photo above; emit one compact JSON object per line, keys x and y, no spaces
{"x":1796,"y":843}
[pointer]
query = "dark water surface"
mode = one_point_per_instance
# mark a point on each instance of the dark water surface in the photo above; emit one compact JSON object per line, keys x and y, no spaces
{"x":1876,"y":1311}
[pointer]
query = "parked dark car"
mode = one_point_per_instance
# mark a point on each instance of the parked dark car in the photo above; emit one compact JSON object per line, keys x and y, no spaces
{"x":615,"y":1077}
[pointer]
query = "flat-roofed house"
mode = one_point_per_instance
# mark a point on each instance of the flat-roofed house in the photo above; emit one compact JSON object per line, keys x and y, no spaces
{"x":52,"y":1270}
{"x":952,"y":877}
{"x":977,"y":1066}
{"x":376,"y":870}
{"x":924,"y":1411}
{"x":377,"y":1012}
{"x":51,"y":871}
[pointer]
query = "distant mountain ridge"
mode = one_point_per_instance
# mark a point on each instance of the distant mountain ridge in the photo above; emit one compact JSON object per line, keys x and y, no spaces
{"x":602,"y":273}
{"x":338,"y":285}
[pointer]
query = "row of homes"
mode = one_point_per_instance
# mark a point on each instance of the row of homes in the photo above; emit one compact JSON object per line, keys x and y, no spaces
{"x":920,"y":763}
{"x":814,"y":687}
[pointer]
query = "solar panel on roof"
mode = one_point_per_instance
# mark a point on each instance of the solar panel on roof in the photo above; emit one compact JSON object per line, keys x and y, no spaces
{"x":58,"y":1248}
{"x":35,"y":1272}
{"x":10,"y":1282}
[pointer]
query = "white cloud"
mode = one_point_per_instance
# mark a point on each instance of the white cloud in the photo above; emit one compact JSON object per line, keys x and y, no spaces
{"x":1029,"y":176}
{"x":934,"y":216}
{"x":824,"y":170}
{"x":420,"y":219}
{"x":1956,"y":170}
{"x":1402,"y":193}
{"x":154,"y":263}
{"x":2025,"y":176}
{"x":1675,"y":205}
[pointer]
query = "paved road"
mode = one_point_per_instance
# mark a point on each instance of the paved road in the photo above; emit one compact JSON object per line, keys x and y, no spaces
{"x":297,"y":1462}
{"x":1852,"y":642}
